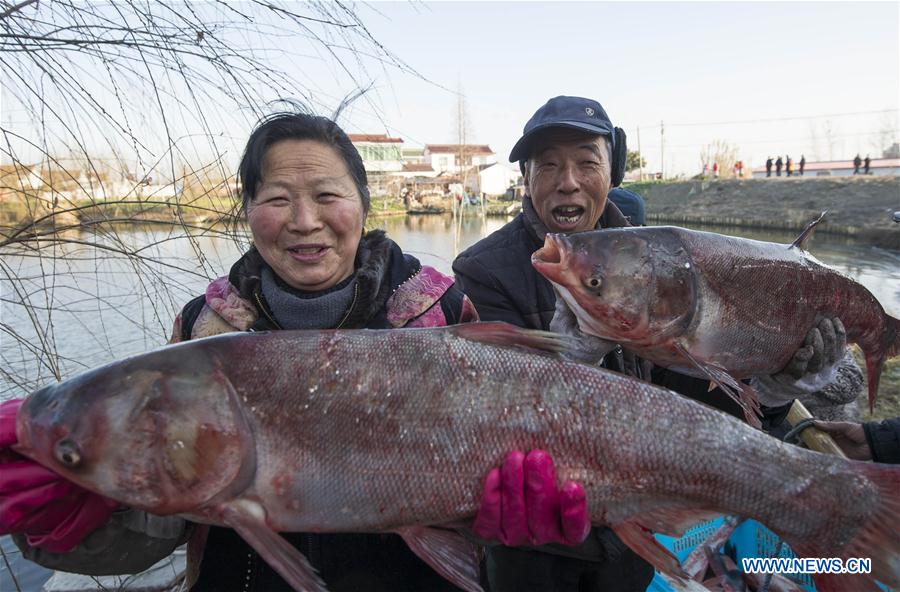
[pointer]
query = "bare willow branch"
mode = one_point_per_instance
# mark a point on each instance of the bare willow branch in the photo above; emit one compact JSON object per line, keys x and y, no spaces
{"x":121,"y":128}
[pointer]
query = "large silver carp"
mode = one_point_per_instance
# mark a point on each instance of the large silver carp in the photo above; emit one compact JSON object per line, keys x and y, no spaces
{"x":710,"y":305}
{"x":394,"y":431}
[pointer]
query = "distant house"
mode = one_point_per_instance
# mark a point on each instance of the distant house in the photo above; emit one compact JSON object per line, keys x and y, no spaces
{"x":444,"y":157}
{"x":417,"y":169}
{"x":836,"y":168}
{"x":496,"y":179}
{"x":380,"y":153}
{"x":19,"y":177}
{"x":413,"y":155}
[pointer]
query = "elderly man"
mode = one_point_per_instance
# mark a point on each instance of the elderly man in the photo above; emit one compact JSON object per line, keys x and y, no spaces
{"x":571,"y":157}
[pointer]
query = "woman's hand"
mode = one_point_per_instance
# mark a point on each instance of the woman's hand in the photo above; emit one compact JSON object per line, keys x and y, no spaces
{"x":54,"y":513}
{"x":521,"y":504}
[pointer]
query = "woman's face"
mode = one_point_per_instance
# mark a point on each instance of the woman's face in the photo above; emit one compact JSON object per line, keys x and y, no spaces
{"x":307,"y":216}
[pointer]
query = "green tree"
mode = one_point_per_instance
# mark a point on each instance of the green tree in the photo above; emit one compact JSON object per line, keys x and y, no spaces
{"x":634,"y":160}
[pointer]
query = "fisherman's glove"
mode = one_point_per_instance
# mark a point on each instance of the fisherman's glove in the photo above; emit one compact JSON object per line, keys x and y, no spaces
{"x":521,"y":504}
{"x":815,"y":365}
{"x":54,"y":513}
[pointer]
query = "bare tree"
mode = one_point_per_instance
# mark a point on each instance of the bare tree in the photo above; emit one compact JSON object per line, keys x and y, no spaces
{"x":722,"y":153}
{"x":887,"y":134}
{"x":127,"y":112}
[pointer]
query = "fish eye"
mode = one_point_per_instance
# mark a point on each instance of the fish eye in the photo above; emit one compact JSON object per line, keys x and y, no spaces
{"x":68,"y":454}
{"x":593,"y":282}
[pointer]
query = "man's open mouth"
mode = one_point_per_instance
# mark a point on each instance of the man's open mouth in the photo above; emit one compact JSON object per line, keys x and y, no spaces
{"x":567,"y":215}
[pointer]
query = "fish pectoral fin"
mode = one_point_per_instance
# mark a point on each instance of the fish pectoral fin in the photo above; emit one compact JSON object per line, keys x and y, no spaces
{"x":640,"y":540}
{"x":249,"y":520}
{"x":740,"y":393}
{"x":506,"y":335}
{"x":447,"y":552}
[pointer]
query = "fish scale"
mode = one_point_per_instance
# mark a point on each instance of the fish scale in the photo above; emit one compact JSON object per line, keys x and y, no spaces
{"x":394,"y":431}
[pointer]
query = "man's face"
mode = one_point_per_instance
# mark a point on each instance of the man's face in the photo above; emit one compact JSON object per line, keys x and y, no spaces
{"x":568,"y":177}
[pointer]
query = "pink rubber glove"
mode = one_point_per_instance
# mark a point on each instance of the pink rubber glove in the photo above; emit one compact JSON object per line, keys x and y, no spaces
{"x":521,"y":504}
{"x":54,"y":513}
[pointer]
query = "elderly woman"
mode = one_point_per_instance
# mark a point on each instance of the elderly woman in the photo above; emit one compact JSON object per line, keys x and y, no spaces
{"x":311,"y":266}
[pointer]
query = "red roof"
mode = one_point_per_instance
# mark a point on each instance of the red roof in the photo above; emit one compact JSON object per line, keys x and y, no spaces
{"x":455,"y":148}
{"x":379,"y":138}
{"x":415,"y":167}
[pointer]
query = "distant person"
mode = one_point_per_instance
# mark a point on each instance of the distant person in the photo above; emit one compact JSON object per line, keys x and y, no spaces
{"x":789,"y":166}
{"x":716,"y":170}
{"x":740,"y":168}
{"x":802,"y":164}
{"x":769,"y":167}
{"x":705,"y":170}
{"x":866,"y":164}
{"x":778,"y":164}
{"x":856,"y":164}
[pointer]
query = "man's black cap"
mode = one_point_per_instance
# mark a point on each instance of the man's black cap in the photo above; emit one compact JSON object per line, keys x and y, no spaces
{"x":571,"y":112}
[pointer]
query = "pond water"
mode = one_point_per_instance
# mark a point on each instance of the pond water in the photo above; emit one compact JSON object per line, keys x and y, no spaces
{"x":89,"y":304}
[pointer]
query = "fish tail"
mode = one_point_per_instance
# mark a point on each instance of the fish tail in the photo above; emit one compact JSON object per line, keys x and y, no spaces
{"x":889,"y":347}
{"x":876,"y":540}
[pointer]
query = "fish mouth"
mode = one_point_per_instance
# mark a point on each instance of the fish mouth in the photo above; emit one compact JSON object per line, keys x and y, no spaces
{"x":548,"y":260}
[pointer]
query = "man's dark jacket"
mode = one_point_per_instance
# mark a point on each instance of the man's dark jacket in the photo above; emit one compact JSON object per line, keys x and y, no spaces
{"x":884,"y":440}
{"x":496,"y":274}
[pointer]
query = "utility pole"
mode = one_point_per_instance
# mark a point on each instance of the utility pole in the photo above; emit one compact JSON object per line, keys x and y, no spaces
{"x":640,"y":155}
{"x":662,"y":149}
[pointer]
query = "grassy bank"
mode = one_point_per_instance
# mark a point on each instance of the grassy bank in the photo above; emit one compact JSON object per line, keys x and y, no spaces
{"x":888,"y":403}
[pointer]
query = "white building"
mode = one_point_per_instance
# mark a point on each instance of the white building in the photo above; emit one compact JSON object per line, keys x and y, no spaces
{"x":444,"y":157}
{"x":495,"y":179}
{"x":835,"y":168}
{"x":380,"y":153}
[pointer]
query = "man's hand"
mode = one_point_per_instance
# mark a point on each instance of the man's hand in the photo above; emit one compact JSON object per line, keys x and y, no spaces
{"x":849,"y":436}
{"x":824,"y":345}
{"x":521,"y":504}
{"x":55,"y":513}
{"x":811,"y":368}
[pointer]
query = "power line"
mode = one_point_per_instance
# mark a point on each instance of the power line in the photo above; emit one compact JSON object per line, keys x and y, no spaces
{"x":784,"y":141}
{"x":793,"y":118}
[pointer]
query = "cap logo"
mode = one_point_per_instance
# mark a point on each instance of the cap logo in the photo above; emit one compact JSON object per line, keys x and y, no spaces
{"x":589,"y":111}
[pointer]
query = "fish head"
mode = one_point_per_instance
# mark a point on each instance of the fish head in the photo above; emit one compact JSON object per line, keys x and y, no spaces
{"x":626,"y":285}
{"x":162,"y":432}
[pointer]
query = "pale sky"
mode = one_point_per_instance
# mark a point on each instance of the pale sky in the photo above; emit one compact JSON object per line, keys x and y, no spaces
{"x":814,"y":78}
{"x":646,"y":62}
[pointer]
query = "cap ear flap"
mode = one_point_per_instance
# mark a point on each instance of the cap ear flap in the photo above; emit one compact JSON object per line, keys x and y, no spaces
{"x":619,"y":156}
